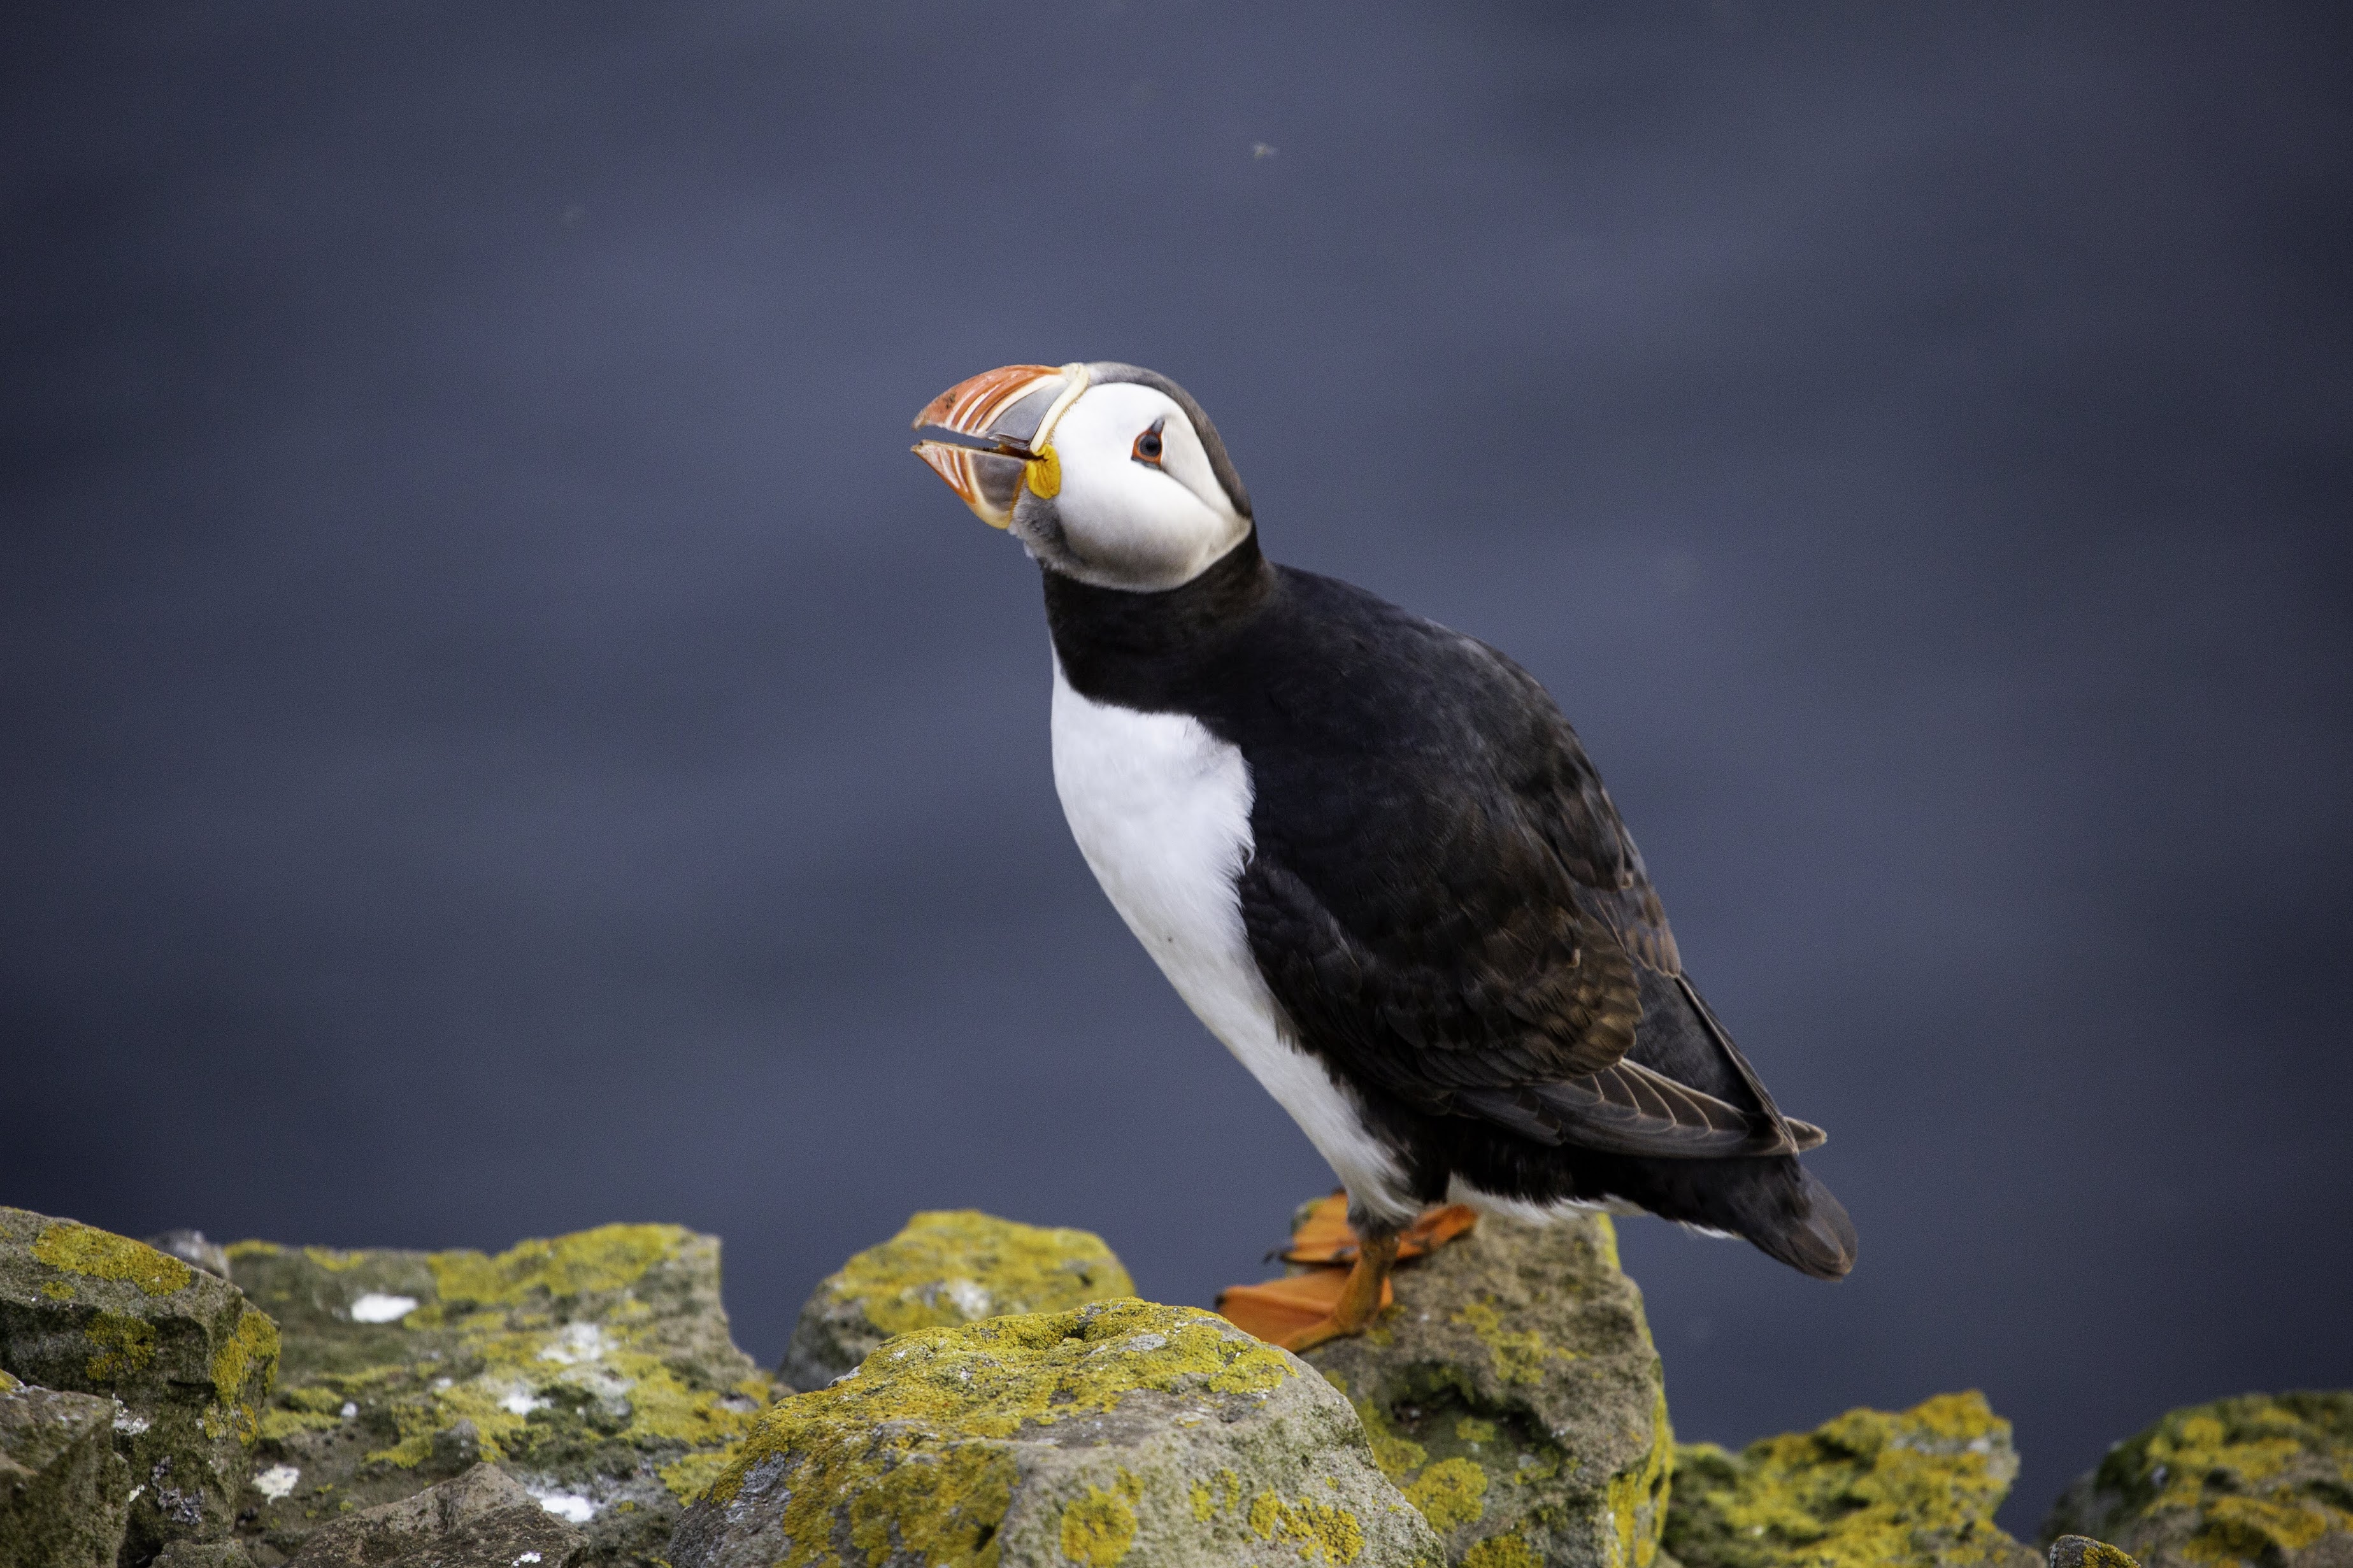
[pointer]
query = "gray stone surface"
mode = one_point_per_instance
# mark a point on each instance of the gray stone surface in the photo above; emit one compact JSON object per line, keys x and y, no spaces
{"x":192,"y":1248}
{"x":2257,"y":1480}
{"x":596,"y":1369}
{"x":2083,"y":1551}
{"x":945,"y":1267}
{"x":1117,"y":1433}
{"x":1514,"y":1394}
{"x":64,"y":1490}
{"x":84,"y":1311}
{"x":480,"y":1519}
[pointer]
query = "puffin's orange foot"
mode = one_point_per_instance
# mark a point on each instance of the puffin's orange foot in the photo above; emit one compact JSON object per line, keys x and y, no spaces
{"x":1325,"y":1237}
{"x":1347,"y":1281}
{"x":1281,"y":1311}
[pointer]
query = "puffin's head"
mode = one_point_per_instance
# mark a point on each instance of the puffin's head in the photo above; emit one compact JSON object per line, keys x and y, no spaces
{"x":1104,"y":473}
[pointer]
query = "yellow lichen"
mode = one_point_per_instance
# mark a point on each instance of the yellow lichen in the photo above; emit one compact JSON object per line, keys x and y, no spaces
{"x":1472,"y":1430}
{"x":1867,"y":1488}
{"x":1098,"y":1529}
{"x":251,"y":1348}
{"x":2100,"y":1554}
{"x":959,"y":1266}
{"x":2258,"y":1528}
{"x":1519,"y":1354}
{"x":605,"y":1259}
{"x":102,"y":1255}
{"x":1501,"y":1551}
{"x":335,"y":1260}
{"x":1638,"y":1499}
{"x":1450,"y":1493}
{"x":520,"y":1319}
{"x":2261,"y":1475}
{"x":1396,"y":1455}
{"x":1217,"y":1495}
{"x":125,"y":1345}
{"x":1317,"y":1529}
{"x":914,"y":1442}
{"x":9,"y":1383}
{"x":1605,"y":1242}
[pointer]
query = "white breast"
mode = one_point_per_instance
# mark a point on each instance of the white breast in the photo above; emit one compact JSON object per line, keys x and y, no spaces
{"x":1161,"y":810}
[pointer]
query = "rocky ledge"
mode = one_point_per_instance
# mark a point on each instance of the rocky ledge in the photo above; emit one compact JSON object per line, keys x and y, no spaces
{"x":987,"y":1394}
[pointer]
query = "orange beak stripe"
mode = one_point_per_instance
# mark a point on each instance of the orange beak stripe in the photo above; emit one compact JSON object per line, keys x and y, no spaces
{"x":969,"y":407}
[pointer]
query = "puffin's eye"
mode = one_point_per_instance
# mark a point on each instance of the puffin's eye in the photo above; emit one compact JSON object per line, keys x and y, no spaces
{"x":1147,"y":446}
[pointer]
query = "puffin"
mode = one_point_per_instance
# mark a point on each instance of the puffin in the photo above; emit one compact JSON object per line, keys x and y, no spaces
{"x":1367,"y":851}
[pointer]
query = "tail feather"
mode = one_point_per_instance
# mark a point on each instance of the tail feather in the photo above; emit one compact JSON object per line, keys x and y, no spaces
{"x":1802,"y":1225}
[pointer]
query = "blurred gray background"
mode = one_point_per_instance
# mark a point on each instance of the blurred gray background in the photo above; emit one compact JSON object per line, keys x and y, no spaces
{"x":497,"y":735}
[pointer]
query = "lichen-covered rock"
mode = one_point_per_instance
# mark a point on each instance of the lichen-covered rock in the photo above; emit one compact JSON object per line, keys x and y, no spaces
{"x":1868,"y":1489}
{"x":2083,"y":1551}
{"x":85,"y":1310}
{"x":1118,"y":1433}
{"x":478,"y":1519}
{"x":947,"y":1267}
{"x":1514,"y":1394}
{"x":64,"y":1490}
{"x":595,"y":1368}
{"x":2259,"y":1480}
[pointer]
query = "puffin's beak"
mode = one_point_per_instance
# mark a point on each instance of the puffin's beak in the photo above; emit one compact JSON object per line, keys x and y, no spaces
{"x":1013,"y":410}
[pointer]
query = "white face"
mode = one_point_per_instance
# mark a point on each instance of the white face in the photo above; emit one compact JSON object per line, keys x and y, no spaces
{"x":1139,"y":506}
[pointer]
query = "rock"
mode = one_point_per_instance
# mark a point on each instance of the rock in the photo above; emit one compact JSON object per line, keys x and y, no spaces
{"x":1514,"y":1394}
{"x":85,"y":1310}
{"x":596,"y":1369}
{"x":203,"y":1554}
{"x":1119,"y":1432}
{"x":2083,"y":1551}
{"x":947,"y":1267}
{"x":64,"y":1490}
{"x":191,"y":1248}
{"x":2261,"y":1479}
{"x":1868,"y":1489}
{"x":479,"y":1520}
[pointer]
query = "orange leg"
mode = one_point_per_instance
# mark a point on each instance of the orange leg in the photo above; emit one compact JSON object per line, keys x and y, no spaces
{"x":1361,"y":1297}
{"x":1345,"y":1282}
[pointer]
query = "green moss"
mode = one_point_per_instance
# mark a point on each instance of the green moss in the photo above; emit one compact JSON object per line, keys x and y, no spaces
{"x":126,"y":1346}
{"x":102,"y":1255}
{"x":1519,"y":1353}
{"x":1450,"y":1493}
{"x":8,"y":1385}
{"x":959,"y":1266}
{"x":1501,"y":1551}
{"x":1099,"y":1528}
{"x":1866,"y":1489}
{"x":1320,"y":1530}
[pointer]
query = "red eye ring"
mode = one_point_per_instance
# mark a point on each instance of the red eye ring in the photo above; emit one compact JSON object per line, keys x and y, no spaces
{"x":1147,"y":447}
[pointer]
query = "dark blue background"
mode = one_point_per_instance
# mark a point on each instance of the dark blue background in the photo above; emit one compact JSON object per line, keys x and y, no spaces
{"x":499,"y":736}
